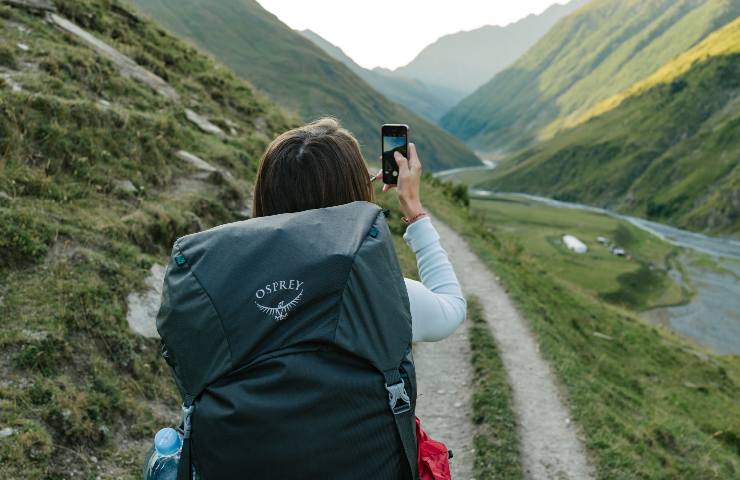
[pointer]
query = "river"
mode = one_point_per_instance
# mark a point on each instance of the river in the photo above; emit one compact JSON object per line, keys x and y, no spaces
{"x":712,"y":317}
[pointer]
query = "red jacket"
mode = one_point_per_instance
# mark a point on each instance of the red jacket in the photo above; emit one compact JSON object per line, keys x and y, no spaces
{"x":434,"y":462}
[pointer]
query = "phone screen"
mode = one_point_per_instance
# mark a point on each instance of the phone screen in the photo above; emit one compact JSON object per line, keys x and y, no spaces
{"x":395,"y":139}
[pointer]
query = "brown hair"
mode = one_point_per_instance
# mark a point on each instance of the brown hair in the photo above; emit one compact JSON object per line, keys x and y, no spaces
{"x":314,"y":166}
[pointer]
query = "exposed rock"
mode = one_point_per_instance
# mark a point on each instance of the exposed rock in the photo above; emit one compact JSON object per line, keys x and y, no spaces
{"x":197,"y":162}
{"x":125,"y":186}
{"x":233,"y":127}
{"x":34,"y":336}
{"x":23,"y":47}
{"x":33,"y":5}
{"x":602,"y":336}
{"x":260,"y":124}
{"x":6,"y":432}
{"x":7,"y":79}
{"x":190,"y":184}
{"x":4,"y":197}
{"x":125,"y":65}
{"x":143,"y":306}
{"x":104,"y":104}
{"x":700,"y":355}
{"x":203,"y":123}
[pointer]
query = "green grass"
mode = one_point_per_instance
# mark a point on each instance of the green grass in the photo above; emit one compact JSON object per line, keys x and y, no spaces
{"x":76,"y":383}
{"x":300,"y":75}
{"x":650,"y":404}
{"x":496,"y":440}
{"x":587,"y":57}
{"x":620,"y":280}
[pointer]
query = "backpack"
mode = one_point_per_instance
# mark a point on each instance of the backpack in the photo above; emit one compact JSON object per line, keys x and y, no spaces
{"x":289,"y":338}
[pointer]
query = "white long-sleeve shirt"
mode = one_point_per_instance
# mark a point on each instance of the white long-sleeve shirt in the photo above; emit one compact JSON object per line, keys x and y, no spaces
{"x":438,"y":306}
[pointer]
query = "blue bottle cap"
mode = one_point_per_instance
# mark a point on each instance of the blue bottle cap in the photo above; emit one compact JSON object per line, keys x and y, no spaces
{"x":167,"y":441}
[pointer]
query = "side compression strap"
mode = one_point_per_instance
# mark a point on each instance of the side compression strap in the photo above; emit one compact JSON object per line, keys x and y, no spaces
{"x":185,"y":467}
{"x":403,"y":416}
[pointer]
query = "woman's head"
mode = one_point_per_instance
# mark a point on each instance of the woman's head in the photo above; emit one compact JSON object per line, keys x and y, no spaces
{"x":314,"y":166}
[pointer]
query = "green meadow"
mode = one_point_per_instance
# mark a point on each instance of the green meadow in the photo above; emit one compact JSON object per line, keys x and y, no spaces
{"x":638,"y":280}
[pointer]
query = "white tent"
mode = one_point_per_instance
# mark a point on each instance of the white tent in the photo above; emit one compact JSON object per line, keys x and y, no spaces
{"x":573,"y":244}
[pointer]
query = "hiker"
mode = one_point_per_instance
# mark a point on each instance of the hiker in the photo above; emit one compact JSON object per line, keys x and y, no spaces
{"x":289,"y":334}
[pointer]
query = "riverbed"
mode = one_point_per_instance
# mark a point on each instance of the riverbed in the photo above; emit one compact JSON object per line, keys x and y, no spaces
{"x":712,"y":317}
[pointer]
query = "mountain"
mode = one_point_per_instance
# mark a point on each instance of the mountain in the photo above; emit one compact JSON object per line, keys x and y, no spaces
{"x":464,"y":61}
{"x":430,"y":103}
{"x":667,"y":148}
{"x":95,"y":186}
{"x":299,"y":75}
{"x":588,"y":56}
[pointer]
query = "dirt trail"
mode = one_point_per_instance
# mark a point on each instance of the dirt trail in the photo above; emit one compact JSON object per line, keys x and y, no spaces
{"x":550,"y":445}
{"x":444,"y":376}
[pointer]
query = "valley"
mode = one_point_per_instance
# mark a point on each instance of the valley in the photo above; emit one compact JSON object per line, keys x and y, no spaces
{"x":631,"y":385}
{"x":299,"y":75}
{"x":618,"y":127}
{"x":679,"y":279}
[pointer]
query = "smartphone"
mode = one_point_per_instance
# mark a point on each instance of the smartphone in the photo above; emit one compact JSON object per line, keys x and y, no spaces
{"x":395,"y":138}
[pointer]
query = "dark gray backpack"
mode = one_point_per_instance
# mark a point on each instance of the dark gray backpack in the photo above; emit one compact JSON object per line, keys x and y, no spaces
{"x":289,"y":337}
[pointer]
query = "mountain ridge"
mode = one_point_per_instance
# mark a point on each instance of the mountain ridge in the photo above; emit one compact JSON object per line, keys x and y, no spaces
{"x":256,"y":44}
{"x":462,"y":61}
{"x":586,"y":57}
{"x":668,"y":151}
{"x":427,"y":101}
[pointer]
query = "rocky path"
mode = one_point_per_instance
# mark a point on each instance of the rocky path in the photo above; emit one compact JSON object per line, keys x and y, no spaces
{"x":444,"y":404}
{"x":550,"y":445}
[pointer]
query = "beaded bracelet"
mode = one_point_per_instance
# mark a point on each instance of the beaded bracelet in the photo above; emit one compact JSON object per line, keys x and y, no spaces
{"x":409,"y":221}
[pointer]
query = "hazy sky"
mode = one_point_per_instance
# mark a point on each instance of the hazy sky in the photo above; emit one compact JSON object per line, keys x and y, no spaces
{"x":389,"y":33}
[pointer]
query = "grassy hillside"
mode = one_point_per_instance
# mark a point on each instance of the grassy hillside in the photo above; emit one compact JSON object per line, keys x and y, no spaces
{"x":725,"y":41}
{"x":587,"y":57}
{"x":91,"y":195}
{"x":464,"y":61}
{"x":650,"y":405}
{"x":298,"y":74}
{"x":666,"y":149}
{"x":428,"y":102}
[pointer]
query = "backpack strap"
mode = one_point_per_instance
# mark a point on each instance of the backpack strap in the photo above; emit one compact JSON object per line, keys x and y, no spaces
{"x":400,"y":405}
{"x":185,"y":466}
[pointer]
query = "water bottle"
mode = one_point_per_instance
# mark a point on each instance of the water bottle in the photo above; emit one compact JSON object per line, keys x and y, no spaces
{"x":164,"y":457}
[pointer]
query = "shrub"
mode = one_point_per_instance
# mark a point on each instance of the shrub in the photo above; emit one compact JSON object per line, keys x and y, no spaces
{"x":22,"y":238}
{"x":7,"y":58}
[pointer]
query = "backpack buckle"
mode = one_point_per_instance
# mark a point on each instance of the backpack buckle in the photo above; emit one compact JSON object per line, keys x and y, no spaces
{"x":396,"y":393}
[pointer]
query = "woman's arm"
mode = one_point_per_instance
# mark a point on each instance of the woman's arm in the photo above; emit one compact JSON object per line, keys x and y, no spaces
{"x":438,"y":306}
{"x":437,"y":303}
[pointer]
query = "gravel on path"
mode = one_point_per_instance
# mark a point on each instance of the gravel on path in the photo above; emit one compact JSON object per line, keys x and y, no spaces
{"x":550,"y":444}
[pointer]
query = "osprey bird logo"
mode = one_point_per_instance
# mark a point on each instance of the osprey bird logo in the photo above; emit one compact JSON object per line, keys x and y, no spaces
{"x":280,"y":312}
